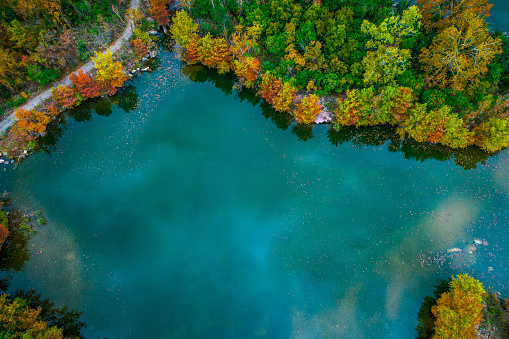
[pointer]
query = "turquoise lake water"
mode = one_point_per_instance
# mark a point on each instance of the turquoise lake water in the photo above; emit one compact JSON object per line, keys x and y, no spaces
{"x":181,"y":209}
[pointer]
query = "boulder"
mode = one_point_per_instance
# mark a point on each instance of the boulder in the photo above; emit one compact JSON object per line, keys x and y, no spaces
{"x":478,"y":242}
{"x":454,"y":249}
{"x":145,"y":69}
{"x":152,"y":33}
{"x":153,"y":54}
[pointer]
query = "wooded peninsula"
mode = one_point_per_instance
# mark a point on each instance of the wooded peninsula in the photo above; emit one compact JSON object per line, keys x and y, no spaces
{"x":434,"y":70}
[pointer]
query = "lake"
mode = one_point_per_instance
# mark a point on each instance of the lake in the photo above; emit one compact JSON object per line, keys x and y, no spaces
{"x":182,"y":209}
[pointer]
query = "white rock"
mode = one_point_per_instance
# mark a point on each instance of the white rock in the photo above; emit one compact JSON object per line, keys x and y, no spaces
{"x":490,"y":269}
{"x":152,"y":33}
{"x":478,"y":242}
{"x":145,"y":69}
{"x":1,"y":161}
{"x":138,"y":69}
{"x":455,"y":249}
{"x":153,"y":54}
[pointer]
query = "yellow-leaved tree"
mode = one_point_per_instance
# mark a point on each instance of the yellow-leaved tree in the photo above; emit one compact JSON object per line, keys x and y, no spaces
{"x":110,"y":75}
{"x":458,"y":311}
{"x":460,"y":54}
{"x":183,"y":29}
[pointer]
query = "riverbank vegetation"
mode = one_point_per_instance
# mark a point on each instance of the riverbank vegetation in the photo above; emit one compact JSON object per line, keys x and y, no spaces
{"x":41,"y":41}
{"x":109,"y":70}
{"x":460,"y":308}
{"x":433,"y":70}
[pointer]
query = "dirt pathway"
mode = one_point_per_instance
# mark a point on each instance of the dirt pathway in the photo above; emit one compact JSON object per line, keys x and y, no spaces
{"x":39,"y":99}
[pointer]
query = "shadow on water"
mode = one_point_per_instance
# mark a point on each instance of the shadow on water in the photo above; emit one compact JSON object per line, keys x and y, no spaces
{"x":14,"y":255}
{"x":467,"y":158}
{"x":366,"y":136}
{"x":426,"y":320}
{"x":126,"y":99}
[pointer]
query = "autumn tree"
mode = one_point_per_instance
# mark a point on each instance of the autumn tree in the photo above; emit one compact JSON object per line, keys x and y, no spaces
{"x":29,"y":124}
{"x":3,"y":234}
{"x":241,"y":42}
{"x":439,"y":125}
{"x":221,"y":56}
{"x":20,"y":321}
{"x":85,"y":85}
{"x":458,"y":311}
{"x":10,"y":74}
{"x":183,"y":29}
{"x":206,"y":50}
{"x":441,"y":14}
{"x":307,"y":109}
{"x":276,"y":92}
{"x":269,"y":87}
{"x":247,"y":69}
{"x":192,"y":51}
{"x":348,"y":110}
{"x":110,"y":75}
{"x":385,"y":59}
{"x":493,"y":134}
{"x":65,"y":96}
{"x":460,"y":54}
{"x":51,"y":110}
{"x":284,"y":98}
{"x":159,"y":10}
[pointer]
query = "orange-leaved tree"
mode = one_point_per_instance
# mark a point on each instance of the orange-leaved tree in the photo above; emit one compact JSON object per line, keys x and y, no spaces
{"x":192,"y":51}
{"x":221,"y":55}
{"x":458,"y":311}
{"x":85,"y":85}
{"x":269,"y":87}
{"x":159,"y":10}
{"x":51,"y":110}
{"x":110,"y":75}
{"x":276,"y":92}
{"x":65,"y":96}
{"x":247,"y":69}
{"x":440,"y":14}
{"x":29,"y":124}
{"x":307,"y":109}
{"x":3,"y":234}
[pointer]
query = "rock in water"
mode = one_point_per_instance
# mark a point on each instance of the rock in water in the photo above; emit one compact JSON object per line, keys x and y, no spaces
{"x":478,"y":242}
{"x":455,"y":249}
{"x":152,"y":33}
{"x":153,"y":54}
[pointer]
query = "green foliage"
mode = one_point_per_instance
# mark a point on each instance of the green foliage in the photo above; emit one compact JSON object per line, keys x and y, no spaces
{"x":426,"y":327}
{"x":42,"y":75}
{"x":305,"y":34}
{"x":387,"y":60}
{"x":493,"y":134}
